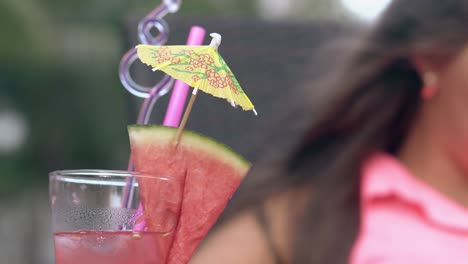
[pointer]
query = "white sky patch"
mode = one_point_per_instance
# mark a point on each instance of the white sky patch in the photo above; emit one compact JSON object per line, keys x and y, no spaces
{"x":366,"y":9}
{"x":272,"y":9}
{"x":13,"y":131}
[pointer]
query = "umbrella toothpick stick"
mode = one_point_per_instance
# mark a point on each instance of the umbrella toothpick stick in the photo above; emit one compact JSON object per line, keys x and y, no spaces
{"x":215,"y":42}
{"x":181,"y":127}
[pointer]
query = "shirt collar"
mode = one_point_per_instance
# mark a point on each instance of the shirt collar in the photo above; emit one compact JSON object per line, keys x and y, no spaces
{"x":384,"y":176}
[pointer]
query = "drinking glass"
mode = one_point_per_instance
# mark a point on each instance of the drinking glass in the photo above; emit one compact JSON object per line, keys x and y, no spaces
{"x":96,"y":222}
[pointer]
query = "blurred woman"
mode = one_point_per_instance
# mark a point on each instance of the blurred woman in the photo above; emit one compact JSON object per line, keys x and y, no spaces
{"x":379,"y":174}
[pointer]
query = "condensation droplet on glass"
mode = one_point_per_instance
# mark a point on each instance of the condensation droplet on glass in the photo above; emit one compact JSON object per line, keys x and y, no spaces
{"x":76,"y":200}
{"x":83,"y":187}
{"x":136,"y":235}
{"x":101,"y":240}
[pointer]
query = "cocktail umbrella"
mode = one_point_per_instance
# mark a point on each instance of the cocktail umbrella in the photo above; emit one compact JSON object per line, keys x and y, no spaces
{"x":201,"y":67}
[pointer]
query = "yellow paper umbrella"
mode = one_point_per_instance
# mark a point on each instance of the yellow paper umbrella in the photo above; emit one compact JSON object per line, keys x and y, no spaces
{"x":201,"y":67}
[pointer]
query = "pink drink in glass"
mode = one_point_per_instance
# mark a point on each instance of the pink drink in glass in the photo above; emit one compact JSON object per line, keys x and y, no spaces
{"x":109,"y":247}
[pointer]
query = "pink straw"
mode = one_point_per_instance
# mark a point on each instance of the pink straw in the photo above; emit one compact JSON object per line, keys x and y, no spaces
{"x":180,"y":91}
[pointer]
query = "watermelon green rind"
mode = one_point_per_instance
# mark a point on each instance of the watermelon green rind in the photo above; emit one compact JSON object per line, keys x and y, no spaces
{"x":142,"y":134}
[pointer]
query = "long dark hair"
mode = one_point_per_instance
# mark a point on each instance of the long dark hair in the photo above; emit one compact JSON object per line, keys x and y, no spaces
{"x":369,"y":107}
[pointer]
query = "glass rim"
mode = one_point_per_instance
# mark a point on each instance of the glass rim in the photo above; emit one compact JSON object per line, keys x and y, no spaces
{"x":106,"y":174}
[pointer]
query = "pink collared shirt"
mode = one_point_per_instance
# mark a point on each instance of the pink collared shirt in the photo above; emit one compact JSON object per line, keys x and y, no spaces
{"x":404,"y":220}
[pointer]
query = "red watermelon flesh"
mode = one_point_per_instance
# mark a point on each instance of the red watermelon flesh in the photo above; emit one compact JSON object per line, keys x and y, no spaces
{"x":161,"y":199}
{"x":211,"y":172}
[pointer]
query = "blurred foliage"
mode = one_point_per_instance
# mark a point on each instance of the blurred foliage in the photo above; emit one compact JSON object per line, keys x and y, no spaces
{"x":323,"y":9}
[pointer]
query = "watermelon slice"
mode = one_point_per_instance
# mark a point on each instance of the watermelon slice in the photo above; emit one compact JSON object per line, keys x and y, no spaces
{"x":211,"y":171}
